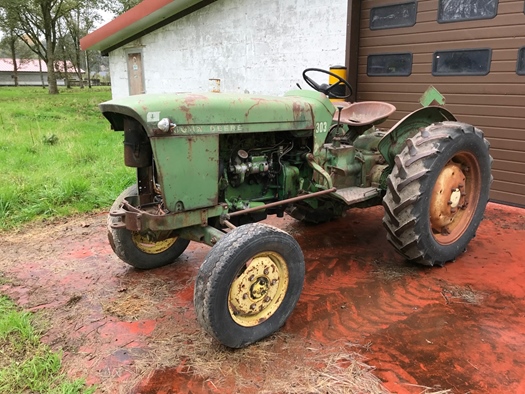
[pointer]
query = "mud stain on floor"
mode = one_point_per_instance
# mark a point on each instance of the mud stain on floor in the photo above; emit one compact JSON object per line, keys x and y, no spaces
{"x":365,"y":315}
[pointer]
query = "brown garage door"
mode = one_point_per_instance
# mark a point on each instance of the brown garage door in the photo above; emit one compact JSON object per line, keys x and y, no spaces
{"x":472,"y":51}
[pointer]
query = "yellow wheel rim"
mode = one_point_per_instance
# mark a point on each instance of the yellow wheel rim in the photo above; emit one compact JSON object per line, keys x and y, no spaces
{"x":145,"y":245}
{"x":454,"y":198}
{"x":259,"y":289}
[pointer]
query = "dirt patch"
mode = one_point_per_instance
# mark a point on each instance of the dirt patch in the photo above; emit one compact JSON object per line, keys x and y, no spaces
{"x":280,"y":364}
{"x":461,"y":294}
{"x":499,"y":214}
{"x":125,"y":329}
{"x":366,"y":318}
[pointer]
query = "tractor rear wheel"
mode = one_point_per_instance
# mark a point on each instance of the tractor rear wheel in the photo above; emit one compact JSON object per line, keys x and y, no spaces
{"x":138,"y":250}
{"x":437,"y":192}
{"x":249,"y":284}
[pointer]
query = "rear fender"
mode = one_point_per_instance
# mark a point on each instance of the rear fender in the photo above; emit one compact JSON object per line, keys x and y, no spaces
{"x":394,"y":140}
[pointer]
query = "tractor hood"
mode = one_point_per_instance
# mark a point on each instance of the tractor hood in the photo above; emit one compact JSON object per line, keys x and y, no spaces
{"x":217,"y":113}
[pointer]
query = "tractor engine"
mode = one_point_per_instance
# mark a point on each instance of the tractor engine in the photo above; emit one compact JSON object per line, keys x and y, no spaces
{"x":243,"y":164}
{"x":264,"y":168}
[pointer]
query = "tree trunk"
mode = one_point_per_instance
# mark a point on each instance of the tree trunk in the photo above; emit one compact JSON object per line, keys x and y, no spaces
{"x":88,"y":69}
{"x":78,"y":69}
{"x":50,"y":41}
{"x":12,"y":45}
{"x":41,"y":73}
{"x":66,"y":75}
{"x":51,"y":74}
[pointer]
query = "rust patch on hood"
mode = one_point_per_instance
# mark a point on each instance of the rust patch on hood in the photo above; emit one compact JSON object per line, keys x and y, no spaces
{"x":191,"y":99}
{"x":187,"y":113}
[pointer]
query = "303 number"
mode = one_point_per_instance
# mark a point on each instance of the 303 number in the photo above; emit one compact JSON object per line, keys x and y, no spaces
{"x":321,"y":127}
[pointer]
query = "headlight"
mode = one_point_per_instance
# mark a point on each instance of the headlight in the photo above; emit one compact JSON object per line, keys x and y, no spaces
{"x":166,"y":125}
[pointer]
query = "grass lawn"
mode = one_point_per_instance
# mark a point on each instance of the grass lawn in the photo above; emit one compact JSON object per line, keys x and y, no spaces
{"x":58,"y":155}
{"x":26,"y":364}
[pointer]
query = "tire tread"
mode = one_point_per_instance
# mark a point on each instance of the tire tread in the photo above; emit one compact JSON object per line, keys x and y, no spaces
{"x":412,"y":167}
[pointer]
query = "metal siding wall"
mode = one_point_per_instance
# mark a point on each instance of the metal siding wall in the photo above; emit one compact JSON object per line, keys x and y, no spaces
{"x":495,"y":102}
{"x":24,"y":79}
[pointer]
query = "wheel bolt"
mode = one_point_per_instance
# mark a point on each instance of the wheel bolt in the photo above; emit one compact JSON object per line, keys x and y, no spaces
{"x":244,"y":296}
{"x":273,"y":282}
{"x":266,"y":271}
{"x":251,"y":278}
{"x":253,"y":306}
{"x":267,"y":299}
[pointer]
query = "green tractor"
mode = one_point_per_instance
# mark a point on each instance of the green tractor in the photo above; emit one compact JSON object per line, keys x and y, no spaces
{"x":211,"y":166}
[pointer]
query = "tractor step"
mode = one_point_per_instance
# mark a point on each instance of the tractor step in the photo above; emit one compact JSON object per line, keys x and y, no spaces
{"x":355,"y":194}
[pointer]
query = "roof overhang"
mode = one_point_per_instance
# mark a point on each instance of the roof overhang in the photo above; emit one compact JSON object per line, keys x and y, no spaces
{"x":147,"y":16}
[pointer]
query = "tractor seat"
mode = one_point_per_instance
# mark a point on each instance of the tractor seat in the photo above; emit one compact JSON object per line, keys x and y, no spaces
{"x":364,"y":113}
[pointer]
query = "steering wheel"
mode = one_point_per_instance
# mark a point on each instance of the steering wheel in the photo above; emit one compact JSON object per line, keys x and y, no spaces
{"x":325,"y":88}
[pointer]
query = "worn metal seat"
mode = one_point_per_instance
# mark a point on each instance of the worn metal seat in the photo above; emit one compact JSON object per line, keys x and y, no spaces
{"x":364,"y":113}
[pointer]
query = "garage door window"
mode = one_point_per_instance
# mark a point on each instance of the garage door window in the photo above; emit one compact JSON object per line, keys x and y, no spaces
{"x":392,"y":16}
{"x":462,"y":62}
{"x":389,"y":64}
{"x":520,"y":67}
{"x":463,"y":10}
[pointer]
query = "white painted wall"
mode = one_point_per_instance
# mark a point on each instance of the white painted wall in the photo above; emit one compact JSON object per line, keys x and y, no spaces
{"x":251,"y":46}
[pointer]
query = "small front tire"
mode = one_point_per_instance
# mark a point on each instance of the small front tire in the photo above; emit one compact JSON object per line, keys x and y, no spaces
{"x":136,"y":249}
{"x":249,"y":284}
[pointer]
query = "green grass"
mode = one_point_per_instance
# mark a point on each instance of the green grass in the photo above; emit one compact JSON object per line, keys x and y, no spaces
{"x":26,"y":364}
{"x":58,"y":155}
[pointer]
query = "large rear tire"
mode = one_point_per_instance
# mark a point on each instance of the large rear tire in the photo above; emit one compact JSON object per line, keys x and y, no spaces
{"x":437,"y":192}
{"x":249,"y":284}
{"x":137,"y":250}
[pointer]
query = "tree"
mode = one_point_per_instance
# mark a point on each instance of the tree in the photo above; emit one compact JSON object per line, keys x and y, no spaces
{"x":10,"y":45}
{"x":13,"y":48}
{"x":10,"y":41}
{"x":37,"y":22}
{"x":78,"y":22}
{"x":118,"y":7}
{"x":52,"y":28}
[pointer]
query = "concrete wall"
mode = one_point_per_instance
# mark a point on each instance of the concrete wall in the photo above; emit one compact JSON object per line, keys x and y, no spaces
{"x":251,"y":46}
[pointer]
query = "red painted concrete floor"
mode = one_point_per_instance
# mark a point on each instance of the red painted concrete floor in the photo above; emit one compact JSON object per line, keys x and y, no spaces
{"x":459,"y":328}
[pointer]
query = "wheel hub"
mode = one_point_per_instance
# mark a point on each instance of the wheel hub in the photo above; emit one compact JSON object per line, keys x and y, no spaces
{"x":260,"y":288}
{"x":258,"y":291}
{"x":455,"y":198}
{"x":448,"y":198}
{"x":146,"y":245}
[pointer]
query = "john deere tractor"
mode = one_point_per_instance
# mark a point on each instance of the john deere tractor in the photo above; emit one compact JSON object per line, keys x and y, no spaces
{"x":211,"y":166}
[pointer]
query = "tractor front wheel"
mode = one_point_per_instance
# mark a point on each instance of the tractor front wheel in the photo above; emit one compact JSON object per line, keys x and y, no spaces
{"x":437,"y":192}
{"x":249,"y":284}
{"x":138,"y":250}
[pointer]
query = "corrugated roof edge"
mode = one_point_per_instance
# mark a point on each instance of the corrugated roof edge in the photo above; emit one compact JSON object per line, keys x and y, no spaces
{"x":142,"y":19}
